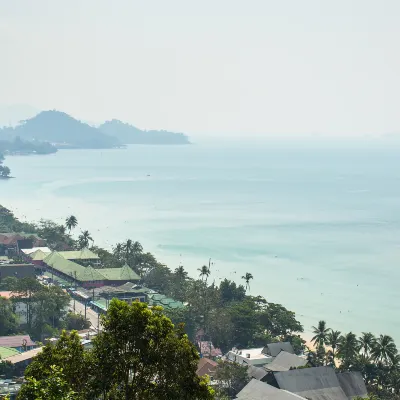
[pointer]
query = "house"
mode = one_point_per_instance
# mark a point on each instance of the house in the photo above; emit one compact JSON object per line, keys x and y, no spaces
{"x":321,"y":383}
{"x":87,"y":276}
{"x":253,"y":356}
{"x":36,"y":255}
{"x":128,"y":291}
{"x":206,"y":367}
{"x":285,"y":361}
{"x":259,"y":356}
{"x":24,"y":359}
{"x":256,"y":390}
{"x":17,"y":270}
{"x":22,"y":343}
{"x":12,"y":243}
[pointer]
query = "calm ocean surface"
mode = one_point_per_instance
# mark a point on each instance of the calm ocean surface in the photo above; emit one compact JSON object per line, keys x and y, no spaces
{"x":319,"y":228}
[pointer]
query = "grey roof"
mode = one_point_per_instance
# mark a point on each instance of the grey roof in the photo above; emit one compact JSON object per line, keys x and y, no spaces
{"x":256,"y":372}
{"x":284,"y":361}
{"x":352,"y":384}
{"x":318,"y":383}
{"x":273,"y":349}
{"x":256,"y":390}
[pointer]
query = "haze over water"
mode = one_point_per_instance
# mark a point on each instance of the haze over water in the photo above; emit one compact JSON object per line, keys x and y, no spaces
{"x":317,"y":227}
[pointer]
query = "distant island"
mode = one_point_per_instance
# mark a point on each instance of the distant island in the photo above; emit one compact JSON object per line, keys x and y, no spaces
{"x":57,"y":130}
{"x":129,"y":134}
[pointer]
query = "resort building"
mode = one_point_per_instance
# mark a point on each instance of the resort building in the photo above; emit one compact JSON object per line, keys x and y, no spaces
{"x":86,"y":276}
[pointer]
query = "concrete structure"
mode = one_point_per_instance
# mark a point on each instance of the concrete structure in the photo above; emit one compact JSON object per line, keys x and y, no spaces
{"x":253,"y":357}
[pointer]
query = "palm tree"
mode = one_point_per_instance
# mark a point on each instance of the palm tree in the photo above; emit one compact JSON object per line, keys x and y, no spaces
{"x":333,"y":340}
{"x":247,"y":278}
{"x":71,"y":222}
{"x":181,"y":273}
{"x":348,"y":348}
{"x":204,"y":272}
{"x":84,"y":239}
{"x":320,"y":333}
{"x":367,"y":342}
{"x":384,"y":349}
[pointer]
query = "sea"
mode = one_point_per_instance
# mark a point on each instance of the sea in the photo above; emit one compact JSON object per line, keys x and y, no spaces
{"x":317,"y":224}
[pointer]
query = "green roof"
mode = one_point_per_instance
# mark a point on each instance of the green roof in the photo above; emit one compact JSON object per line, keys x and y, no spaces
{"x":84,"y":254}
{"x":120,"y":274}
{"x":38,"y":255}
{"x":72,"y":269}
{"x":85,"y":274}
{"x":7,"y":352}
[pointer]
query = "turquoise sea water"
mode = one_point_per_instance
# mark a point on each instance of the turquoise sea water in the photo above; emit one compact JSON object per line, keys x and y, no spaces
{"x":319,"y":228}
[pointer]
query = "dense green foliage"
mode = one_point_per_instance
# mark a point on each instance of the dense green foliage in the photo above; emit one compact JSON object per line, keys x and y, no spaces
{"x":231,"y":378}
{"x":8,"y":320}
{"x":138,"y":355}
{"x":76,"y":322}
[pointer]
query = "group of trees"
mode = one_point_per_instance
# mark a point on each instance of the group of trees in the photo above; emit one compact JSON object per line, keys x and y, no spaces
{"x":4,"y":171}
{"x":376,"y":358}
{"x":139,"y":354}
{"x":45,"y":308}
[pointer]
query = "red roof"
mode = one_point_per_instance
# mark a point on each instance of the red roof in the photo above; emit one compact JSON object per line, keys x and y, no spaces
{"x":16,"y":341}
{"x":6,"y":294}
{"x":206,"y":367}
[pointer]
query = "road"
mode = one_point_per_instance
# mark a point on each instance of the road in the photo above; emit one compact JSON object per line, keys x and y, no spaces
{"x":91,"y":315}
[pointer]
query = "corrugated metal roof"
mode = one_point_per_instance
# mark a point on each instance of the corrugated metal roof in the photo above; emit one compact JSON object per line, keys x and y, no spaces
{"x":256,"y":372}
{"x":256,"y":390}
{"x":273,"y":349}
{"x":38,"y":255}
{"x":206,"y":367}
{"x":35,"y":249}
{"x":16,"y":341}
{"x":319,"y":383}
{"x":125,"y":273}
{"x":352,"y":384}
{"x":284,"y":361}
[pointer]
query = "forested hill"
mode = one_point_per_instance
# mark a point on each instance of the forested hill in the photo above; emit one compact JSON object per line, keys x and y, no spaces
{"x":62,"y":130}
{"x":129,"y":134}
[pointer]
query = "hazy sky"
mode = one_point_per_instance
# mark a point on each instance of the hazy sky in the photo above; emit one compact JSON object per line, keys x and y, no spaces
{"x":240,"y":67}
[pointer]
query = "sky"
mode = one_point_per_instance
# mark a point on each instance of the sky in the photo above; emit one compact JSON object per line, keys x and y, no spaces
{"x":219,"y":68}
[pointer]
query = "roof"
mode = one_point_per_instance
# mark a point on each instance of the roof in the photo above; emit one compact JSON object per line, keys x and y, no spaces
{"x":56,"y":261}
{"x":319,"y":383}
{"x":7,"y":294}
{"x":18,"y":265}
{"x":284,"y":361}
{"x":16,"y":341}
{"x":38,"y":255}
{"x":256,"y":390}
{"x":27,"y":355}
{"x":254,"y":354}
{"x":256,"y":372}
{"x":7,"y":352}
{"x":352,"y":384}
{"x":125,"y":273}
{"x":206,"y":367}
{"x":34,"y":249}
{"x":84,"y":254}
{"x":273,"y":349}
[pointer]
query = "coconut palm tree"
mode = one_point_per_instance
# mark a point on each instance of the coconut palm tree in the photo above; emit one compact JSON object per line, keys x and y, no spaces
{"x":181,"y":273}
{"x":348,"y":348}
{"x":247,"y":278}
{"x":84,"y":239}
{"x":320,"y":333}
{"x":71,"y":222}
{"x":204,"y":272}
{"x":333,"y":340}
{"x":384,"y":349}
{"x":367,"y":342}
